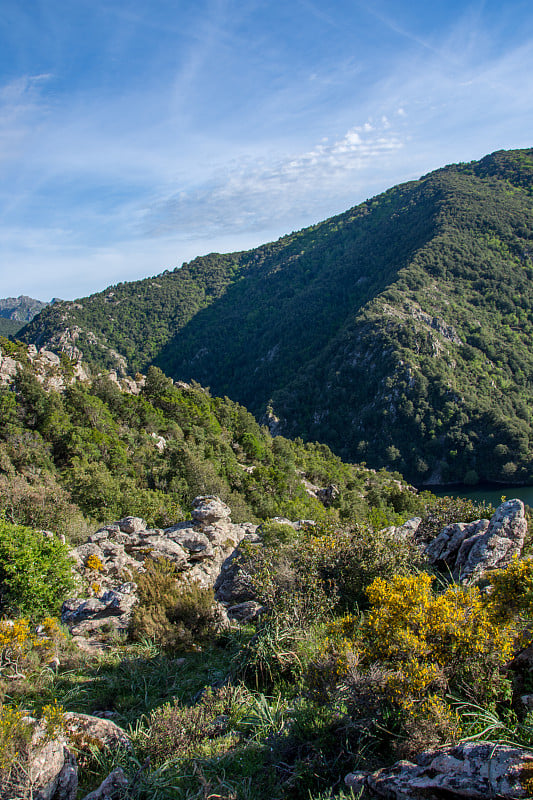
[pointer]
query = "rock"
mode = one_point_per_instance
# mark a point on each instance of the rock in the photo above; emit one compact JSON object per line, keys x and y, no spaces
{"x":328,"y":495}
{"x":356,"y":781}
{"x":131,"y":524}
{"x":503,"y":539}
{"x":469,"y":550}
{"x":405,"y":531}
{"x":47,"y":769}
{"x":114,"y":786}
{"x":208,"y":509}
{"x":234,"y":585}
{"x":245,"y":612}
{"x":198,"y":549}
{"x":87,"y":730}
{"x":474,"y":770}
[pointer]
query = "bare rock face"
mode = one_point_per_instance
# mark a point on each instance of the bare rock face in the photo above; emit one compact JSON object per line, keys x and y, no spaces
{"x":471,"y":549}
{"x":475,"y":770}
{"x":208,"y":509}
{"x":115,"y":554}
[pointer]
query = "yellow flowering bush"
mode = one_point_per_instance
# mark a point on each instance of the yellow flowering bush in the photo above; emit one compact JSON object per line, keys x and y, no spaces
{"x":434,"y":640}
{"x":21,"y":646}
{"x":511,"y":592}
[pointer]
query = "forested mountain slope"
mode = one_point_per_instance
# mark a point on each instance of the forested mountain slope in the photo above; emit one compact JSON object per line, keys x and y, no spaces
{"x":398,"y":332}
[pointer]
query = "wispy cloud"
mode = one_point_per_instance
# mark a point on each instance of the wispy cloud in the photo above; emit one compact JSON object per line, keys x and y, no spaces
{"x":250,"y":195}
{"x":222,"y":124}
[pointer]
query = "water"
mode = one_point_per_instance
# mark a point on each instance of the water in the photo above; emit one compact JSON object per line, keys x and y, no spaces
{"x":492,"y":495}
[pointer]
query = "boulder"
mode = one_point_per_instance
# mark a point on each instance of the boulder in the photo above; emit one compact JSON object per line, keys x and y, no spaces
{"x":47,"y":769}
{"x":208,"y":509}
{"x":86,"y":731}
{"x":131,"y":524}
{"x":474,"y":770}
{"x":469,"y":550}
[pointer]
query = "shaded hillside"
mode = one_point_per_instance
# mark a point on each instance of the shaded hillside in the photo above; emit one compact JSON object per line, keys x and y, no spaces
{"x":398,"y":332}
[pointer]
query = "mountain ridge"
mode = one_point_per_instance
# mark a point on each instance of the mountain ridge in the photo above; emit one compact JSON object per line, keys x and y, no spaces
{"x":397,"y":332}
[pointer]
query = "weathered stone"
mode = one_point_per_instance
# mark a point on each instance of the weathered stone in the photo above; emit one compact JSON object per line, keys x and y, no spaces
{"x":87,"y":730}
{"x":245,"y":612}
{"x":131,"y":524}
{"x":208,"y":509}
{"x":470,"y":549}
{"x":47,"y":770}
{"x":504,"y":538}
{"x":475,"y":770}
{"x":161,"y":547}
{"x":114,"y":786}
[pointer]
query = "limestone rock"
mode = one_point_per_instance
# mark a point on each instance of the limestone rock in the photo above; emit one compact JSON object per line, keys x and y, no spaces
{"x":475,"y":770}
{"x":131,"y":524}
{"x":48,"y":770}
{"x":197,"y":548}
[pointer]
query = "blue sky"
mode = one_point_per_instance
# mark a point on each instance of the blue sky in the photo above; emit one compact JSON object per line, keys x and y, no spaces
{"x":135,"y":136}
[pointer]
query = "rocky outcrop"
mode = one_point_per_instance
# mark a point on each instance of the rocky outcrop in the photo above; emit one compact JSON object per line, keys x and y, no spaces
{"x":110,"y":559}
{"x":469,"y":550}
{"x":476,"y":770}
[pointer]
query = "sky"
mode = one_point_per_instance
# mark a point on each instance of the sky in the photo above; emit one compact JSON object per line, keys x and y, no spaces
{"x":135,"y":135}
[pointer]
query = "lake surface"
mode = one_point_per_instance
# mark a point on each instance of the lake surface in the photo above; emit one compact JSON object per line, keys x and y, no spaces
{"x":492,"y":495}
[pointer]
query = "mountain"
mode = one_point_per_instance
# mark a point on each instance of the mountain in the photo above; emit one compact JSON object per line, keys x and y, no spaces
{"x":397,"y":332}
{"x":16,"y":311}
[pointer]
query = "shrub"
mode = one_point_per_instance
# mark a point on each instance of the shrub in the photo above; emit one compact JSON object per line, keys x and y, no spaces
{"x":173,"y":613}
{"x":428,"y":640}
{"x":35,"y":571}
{"x":41,"y":503}
{"x":511,"y":595}
{"x":348,"y":561}
{"x":189,"y":730}
{"x":21,"y":647}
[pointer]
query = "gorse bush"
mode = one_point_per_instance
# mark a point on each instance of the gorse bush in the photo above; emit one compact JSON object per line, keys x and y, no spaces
{"x":22,"y":647}
{"x":430,"y":640}
{"x":173,"y":613}
{"x":35,"y":571}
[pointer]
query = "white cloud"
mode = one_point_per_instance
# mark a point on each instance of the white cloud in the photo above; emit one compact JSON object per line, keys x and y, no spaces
{"x":254,"y":194}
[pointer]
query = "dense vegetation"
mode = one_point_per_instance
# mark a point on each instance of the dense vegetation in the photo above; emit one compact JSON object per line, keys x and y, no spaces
{"x":361,"y":654}
{"x":98,"y":452}
{"x":360,"y":657}
{"x":397,"y":332}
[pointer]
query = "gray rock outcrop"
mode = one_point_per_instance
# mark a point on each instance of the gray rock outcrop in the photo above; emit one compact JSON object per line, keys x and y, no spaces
{"x":112,"y":556}
{"x":468,"y":550}
{"x":475,"y":770}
